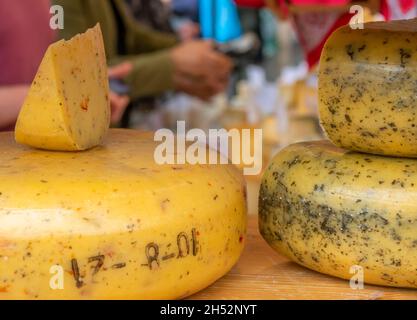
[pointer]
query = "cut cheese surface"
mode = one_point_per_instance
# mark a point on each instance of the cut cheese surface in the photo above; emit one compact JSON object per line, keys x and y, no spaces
{"x":67,"y":107}
{"x":119,"y":225}
{"x":367,"y":88}
{"x":329,"y":209}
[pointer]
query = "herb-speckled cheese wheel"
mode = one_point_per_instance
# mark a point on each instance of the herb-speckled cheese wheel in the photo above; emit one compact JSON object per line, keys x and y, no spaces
{"x":119,"y":225}
{"x":329,"y":209}
{"x":367,"y":88}
{"x":67,"y":107}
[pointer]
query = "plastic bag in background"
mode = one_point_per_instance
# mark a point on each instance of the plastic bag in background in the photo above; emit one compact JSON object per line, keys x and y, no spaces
{"x":219,"y":20}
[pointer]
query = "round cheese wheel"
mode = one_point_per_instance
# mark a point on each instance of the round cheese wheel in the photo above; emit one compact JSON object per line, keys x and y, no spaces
{"x":367,"y":91}
{"x":111,"y":223}
{"x":338,"y":212}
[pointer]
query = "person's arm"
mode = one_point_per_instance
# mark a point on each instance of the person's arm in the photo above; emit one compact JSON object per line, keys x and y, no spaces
{"x":147,"y":49}
{"x":152,"y":73}
{"x":193,"y":67}
{"x":11,"y":100}
{"x":158,"y":65}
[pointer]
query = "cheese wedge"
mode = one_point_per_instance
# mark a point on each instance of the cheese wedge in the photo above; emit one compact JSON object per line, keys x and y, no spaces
{"x":367,"y":88}
{"x":332,"y":210}
{"x":110,"y":223}
{"x":67,"y":107}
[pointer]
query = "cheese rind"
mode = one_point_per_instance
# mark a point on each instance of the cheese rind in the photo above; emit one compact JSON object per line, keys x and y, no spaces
{"x":367,"y":88}
{"x":329,"y":209}
{"x":67,"y":107}
{"x":119,"y":225}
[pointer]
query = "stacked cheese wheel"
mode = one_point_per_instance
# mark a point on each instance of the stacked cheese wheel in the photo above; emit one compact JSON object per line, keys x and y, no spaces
{"x":336,"y":208}
{"x":105,"y":221}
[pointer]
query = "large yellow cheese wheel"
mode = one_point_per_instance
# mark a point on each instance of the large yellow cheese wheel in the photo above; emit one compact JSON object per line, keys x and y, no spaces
{"x":116,"y":224}
{"x":334,"y":211}
{"x":367,"y":88}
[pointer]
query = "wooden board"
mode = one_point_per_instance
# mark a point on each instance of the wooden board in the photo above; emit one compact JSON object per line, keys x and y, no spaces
{"x":261,"y":273}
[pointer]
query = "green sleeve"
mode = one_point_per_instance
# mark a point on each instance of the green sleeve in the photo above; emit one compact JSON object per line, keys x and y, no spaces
{"x":146,"y":49}
{"x":151,"y":75}
{"x":75,"y":21}
{"x":140,"y":38}
{"x":79,"y":15}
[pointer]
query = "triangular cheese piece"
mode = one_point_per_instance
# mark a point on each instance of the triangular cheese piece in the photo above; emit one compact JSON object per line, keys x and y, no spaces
{"x":67,"y":107}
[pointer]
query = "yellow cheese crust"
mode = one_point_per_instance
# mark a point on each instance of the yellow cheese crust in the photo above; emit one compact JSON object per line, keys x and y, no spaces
{"x":120,"y":226}
{"x":67,"y":107}
{"x":367,"y":88}
{"x":329,"y":209}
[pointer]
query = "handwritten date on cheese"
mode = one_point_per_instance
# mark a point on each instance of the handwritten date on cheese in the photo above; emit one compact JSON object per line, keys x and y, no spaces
{"x":118,"y":224}
{"x":67,"y":107}
{"x":367,"y":88}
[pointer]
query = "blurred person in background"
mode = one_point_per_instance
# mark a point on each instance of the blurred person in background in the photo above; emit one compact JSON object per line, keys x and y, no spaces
{"x":159,"y":62}
{"x":25,"y":35}
{"x":157,"y":15}
{"x":160,"y":16}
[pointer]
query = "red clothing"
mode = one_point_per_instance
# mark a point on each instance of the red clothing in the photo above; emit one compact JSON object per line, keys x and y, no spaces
{"x":24,"y":37}
{"x":261,"y":3}
{"x":250,"y":3}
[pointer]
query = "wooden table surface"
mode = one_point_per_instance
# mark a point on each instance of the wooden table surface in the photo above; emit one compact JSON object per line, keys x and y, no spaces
{"x":261,"y":273}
